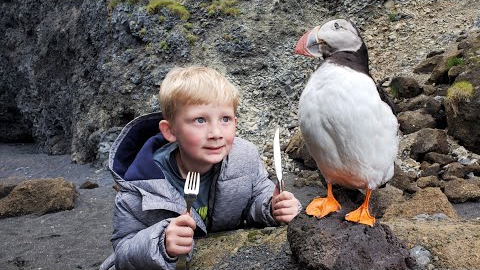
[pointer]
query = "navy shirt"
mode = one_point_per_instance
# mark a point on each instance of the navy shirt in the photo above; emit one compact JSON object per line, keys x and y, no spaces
{"x":165,"y":158}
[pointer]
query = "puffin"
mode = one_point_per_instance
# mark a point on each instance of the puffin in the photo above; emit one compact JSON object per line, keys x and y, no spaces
{"x":348,"y":122}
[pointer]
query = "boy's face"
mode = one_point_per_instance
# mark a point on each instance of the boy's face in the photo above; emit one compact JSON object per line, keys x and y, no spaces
{"x":204,"y":133}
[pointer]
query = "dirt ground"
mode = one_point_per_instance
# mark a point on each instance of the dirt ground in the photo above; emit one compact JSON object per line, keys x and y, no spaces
{"x":75,"y":239}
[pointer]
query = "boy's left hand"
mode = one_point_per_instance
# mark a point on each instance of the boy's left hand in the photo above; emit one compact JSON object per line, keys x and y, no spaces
{"x":284,"y":206}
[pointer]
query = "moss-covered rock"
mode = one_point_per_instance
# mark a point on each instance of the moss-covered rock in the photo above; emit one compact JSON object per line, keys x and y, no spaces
{"x":463,"y":99}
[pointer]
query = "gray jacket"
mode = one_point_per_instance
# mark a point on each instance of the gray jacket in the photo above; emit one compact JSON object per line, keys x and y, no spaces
{"x":146,"y":203}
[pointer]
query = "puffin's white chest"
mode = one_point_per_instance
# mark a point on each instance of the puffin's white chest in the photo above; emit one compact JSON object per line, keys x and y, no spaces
{"x":350,"y":132}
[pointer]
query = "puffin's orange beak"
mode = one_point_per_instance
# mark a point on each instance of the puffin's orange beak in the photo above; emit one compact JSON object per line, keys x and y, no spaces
{"x":302,"y":45}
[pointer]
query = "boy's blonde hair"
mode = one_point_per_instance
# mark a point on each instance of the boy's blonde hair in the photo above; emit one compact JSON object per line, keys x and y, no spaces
{"x":195,"y":86}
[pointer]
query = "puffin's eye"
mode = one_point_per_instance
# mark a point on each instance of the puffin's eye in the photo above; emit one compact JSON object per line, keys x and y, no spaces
{"x":337,"y":26}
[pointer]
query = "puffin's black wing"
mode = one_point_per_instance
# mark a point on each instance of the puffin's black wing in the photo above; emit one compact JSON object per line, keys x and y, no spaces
{"x":386,"y":98}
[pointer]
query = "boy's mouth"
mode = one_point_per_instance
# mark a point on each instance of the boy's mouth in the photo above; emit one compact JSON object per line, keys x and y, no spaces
{"x":213,"y":147}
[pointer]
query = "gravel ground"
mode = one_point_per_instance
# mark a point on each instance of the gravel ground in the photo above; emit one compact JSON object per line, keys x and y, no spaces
{"x":75,"y":239}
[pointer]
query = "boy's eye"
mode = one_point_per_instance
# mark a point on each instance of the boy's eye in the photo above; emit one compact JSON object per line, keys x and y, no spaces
{"x":200,"y":120}
{"x":225,"y":119}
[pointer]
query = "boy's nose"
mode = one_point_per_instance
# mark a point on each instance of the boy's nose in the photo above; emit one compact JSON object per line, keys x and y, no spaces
{"x":215,"y":132}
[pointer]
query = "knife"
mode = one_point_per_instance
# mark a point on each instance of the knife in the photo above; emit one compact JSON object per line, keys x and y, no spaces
{"x":277,"y":158}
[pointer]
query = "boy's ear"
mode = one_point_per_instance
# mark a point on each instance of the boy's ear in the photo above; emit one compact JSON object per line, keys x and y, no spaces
{"x":167,"y":131}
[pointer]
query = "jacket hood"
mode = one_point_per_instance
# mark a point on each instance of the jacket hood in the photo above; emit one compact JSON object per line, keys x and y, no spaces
{"x":131,"y":155}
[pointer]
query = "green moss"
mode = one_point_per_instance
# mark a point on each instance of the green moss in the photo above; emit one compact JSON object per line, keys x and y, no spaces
{"x":164,"y":45}
{"x":188,"y":26}
{"x":455,"y":61}
{"x":394,"y":91}
{"x":112,"y":4}
{"x":225,"y":7}
{"x":459,"y":91}
{"x":149,"y":47}
{"x":252,"y":235}
{"x":191,"y":38}
{"x":392,"y":16}
{"x":211,"y":12}
{"x":154,"y":6}
{"x":143,"y":31}
{"x":162,"y":19}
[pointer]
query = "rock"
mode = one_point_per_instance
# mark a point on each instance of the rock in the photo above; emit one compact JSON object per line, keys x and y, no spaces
{"x":461,"y":109}
{"x":382,"y":198}
{"x":434,"y":106}
{"x":463,"y":99}
{"x":401,"y":179}
{"x":429,"y":140}
{"x":414,"y":103}
{"x":427,"y":65}
{"x":333,"y":243}
{"x":440,"y":72}
{"x":5,"y":189}
{"x":474,"y":168}
{"x":405,"y":87}
{"x":250,"y":246}
{"x":474,"y":180}
{"x":454,"y":244}
{"x":308,"y":178}
{"x":412,"y":121}
{"x":297,"y":149}
{"x":459,"y":190}
{"x":88,"y":185}
{"x":421,"y":256}
{"x":428,"y":181}
{"x":430,"y":169}
{"x":106,"y":141}
{"x":39,"y":196}
{"x":454,"y":71}
{"x":454,"y":170}
{"x":435,"y":52}
{"x":426,"y":201}
{"x":412,"y":188}
{"x":457,"y":169}
{"x":441,"y":159}
{"x":429,"y":89}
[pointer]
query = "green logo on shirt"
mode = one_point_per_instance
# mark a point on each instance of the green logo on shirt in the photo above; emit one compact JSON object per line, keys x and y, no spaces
{"x":202,"y":211}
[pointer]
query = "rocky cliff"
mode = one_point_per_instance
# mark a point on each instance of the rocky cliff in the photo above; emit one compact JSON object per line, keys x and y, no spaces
{"x":73,"y":70}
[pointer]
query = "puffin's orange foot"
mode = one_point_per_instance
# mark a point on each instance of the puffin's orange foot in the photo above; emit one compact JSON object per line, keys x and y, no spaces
{"x":361,"y":215}
{"x":321,"y":207}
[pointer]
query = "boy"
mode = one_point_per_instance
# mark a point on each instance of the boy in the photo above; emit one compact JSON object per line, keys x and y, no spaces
{"x":197,"y":134}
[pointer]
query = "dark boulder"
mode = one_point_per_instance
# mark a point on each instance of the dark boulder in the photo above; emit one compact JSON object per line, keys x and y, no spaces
{"x":461,"y":109}
{"x":429,"y":140}
{"x":401,"y":179}
{"x":441,"y":159}
{"x":333,"y":243}
{"x":412,"y":121}
{"x":460,"y":190}
{"x":405,"y":87}
{"x":427,"y":65}
{"x":445,"y":63}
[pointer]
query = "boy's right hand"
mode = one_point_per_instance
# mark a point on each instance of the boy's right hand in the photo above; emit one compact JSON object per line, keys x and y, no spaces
{"x":179,"y":235}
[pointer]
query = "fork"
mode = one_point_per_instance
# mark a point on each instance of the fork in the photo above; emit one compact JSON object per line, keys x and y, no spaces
{"x":191,"y":188}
